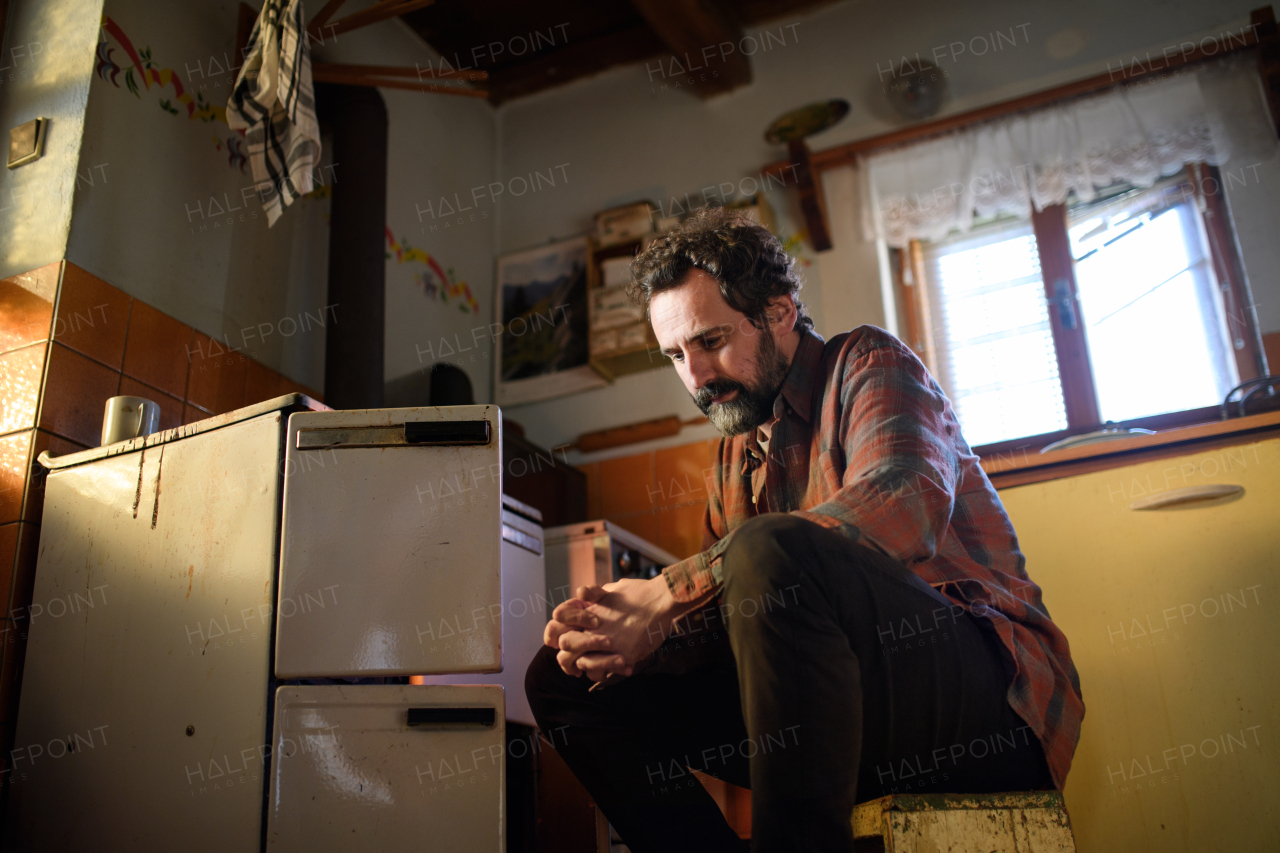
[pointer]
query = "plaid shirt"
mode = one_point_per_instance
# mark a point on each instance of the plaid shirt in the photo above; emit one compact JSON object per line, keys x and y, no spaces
{"x":866,"y":442}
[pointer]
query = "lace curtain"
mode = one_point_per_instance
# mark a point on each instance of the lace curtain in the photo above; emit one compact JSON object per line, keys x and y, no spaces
{"x":1136,"y":133}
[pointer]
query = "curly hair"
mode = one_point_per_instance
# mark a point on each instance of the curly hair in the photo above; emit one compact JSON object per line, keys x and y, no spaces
{"x":747,"y":260}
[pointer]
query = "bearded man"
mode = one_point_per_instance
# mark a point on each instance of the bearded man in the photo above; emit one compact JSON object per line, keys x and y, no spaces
{"x":860,"y":622}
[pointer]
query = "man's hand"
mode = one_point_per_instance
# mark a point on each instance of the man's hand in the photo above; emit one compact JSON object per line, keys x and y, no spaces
{"x":607,"y":630}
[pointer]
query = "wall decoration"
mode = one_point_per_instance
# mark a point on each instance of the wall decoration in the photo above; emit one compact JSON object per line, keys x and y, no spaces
{"x":541,"y":312}
{"x":435,"y":282}
{"x":144,"y":68}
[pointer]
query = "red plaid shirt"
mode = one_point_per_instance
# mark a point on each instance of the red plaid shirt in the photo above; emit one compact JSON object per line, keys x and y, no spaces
{"x":866,"y":442}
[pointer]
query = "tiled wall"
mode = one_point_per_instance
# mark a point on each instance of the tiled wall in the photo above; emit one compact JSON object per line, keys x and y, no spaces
{"x":56,"y":374}
{"x":660,"y":495}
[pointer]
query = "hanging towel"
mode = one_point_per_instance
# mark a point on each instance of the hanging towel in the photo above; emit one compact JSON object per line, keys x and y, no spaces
{"x":273,"y":102}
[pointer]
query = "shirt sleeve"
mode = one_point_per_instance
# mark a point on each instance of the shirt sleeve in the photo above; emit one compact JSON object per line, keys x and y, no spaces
{"x":897,"y":435}
{"x":698,"y":577}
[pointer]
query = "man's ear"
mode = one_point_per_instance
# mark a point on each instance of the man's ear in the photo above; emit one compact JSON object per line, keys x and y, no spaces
{"x":782,"y":313}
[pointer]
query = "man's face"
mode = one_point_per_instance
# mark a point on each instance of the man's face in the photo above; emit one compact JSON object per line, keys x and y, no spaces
{"x":732,"y":370}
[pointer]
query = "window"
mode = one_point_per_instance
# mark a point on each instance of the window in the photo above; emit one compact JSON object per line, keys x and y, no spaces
{"x":1152,"y":311}
{"x":1114,"y":312}
{"x":997,"y":359}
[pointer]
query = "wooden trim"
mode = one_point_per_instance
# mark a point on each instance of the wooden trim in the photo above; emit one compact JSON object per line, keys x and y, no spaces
{"x":812,"y":205}
{"x":843,"y":155}
{"x":1057,"y":268}
{"x":1271,"y":347}
{"x":1263,"y":21}
{"x":1020,"y":469}
{"x":320,"y":75}
{"x":1224,"y":252}
{"x":399,"y":71}
{"x":375,"y":14}
{"x":322,"y":17}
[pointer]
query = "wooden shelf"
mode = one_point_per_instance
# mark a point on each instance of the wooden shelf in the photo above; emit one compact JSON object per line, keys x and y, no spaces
{"x":633,"y":359}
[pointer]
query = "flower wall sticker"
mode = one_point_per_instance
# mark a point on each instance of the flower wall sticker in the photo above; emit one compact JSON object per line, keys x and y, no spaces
{"x":434,"y":281}
{"x":144,"y":72}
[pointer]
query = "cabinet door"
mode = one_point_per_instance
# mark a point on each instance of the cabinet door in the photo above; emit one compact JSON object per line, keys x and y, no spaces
{"x":390,"y":558}
{"x":144,"y":699}
{"x":1171,"y":615}
{"x":388,"y":768}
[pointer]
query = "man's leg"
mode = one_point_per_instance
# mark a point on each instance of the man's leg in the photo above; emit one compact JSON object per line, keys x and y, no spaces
{"x":879,"y":683}
{"x":631,"y":743}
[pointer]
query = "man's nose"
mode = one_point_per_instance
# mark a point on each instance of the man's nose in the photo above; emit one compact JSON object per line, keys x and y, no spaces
{"x":701,"y":371}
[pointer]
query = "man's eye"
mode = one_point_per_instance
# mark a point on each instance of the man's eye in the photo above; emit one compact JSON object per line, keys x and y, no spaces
{"x":676,"y":356}
{"x":712,"y":343}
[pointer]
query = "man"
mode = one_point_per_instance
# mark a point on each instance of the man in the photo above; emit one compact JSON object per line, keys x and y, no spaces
{"x":883,"y":635}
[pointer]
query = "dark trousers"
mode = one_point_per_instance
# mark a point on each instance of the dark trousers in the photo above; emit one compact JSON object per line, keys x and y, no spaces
{"x":827,"y":675}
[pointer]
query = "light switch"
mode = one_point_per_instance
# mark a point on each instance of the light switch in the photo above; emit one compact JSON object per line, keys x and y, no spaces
{"x":26,"y":142}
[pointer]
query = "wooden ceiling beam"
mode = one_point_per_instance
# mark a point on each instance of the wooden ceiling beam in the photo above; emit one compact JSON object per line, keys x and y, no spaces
{"x":322,"y":17}
{"x":704,"y":41}
{"x":576,"y":59}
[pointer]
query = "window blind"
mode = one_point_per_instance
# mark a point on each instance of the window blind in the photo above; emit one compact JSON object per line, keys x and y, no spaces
{"x":995,"y":347}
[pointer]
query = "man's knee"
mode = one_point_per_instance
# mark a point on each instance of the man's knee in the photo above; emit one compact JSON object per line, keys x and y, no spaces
{"x":541,"y":680}
{"x":762,"y":556}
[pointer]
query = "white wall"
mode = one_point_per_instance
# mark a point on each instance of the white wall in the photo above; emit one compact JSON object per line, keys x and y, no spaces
{"x":146,"y":224}
{"x":44,"y":73}
{"x":625,"y":138}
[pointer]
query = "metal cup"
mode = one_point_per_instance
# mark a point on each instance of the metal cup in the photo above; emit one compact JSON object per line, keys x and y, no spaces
{"x":129,"y":417}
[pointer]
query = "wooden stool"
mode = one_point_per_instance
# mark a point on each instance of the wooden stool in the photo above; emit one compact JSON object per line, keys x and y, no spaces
{"x":1017,"y":822}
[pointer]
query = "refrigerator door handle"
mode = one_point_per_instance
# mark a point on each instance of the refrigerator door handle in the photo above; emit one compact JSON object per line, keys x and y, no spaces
{"x":424,"y":433}
{"x":439,"y":716}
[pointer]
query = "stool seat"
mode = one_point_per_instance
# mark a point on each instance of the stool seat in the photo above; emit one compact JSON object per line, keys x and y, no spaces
{"x":1015,"y":822}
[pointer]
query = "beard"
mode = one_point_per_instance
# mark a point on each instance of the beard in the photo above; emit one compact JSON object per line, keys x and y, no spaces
{"x":754,"y":404}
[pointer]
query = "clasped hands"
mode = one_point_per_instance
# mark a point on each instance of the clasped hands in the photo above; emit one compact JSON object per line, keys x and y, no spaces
{"x":606,"y":630}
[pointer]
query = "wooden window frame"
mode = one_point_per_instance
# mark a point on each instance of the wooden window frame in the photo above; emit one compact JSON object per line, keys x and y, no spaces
{"x":1075,"y":370}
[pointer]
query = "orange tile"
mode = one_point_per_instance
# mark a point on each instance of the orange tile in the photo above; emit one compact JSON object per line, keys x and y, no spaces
{"x":626,"y":484}
{"x":191,"y":414}
{"x":217,"y":376}
{"x":680,"y":529}
{"x":8,"y":553}
{"x":170,"y":407}
{"x":682,"y":475}
{"x":262,"y":383}
{"x":14,"y":452}
{"x":26,"y":307}
{"x":20,"y":373}
{"x":158,"y":350}
{"x":75,"y":395}
{"x":33,"y":503}
{"x":93,"y":317}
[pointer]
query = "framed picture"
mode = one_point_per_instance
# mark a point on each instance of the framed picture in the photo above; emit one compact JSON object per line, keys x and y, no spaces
{"x":542,"y":312}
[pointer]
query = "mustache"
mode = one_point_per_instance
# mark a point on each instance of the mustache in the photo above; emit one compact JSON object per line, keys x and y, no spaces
{"x":714,"y":389}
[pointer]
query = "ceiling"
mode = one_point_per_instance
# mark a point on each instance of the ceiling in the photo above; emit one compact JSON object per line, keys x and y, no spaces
{"x":527,"y":47}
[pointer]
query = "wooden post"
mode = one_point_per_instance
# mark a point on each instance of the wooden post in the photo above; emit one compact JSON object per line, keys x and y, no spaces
{"x":811,"y":202}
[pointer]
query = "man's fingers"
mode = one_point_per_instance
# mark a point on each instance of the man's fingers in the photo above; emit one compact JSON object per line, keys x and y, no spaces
{"x":580,"y":643}
{"x":574,"y":613}
{"x":551,"y":634}
{"x":599,"y":665}
{"x":569,"y":663}
{"x":590,"y":594}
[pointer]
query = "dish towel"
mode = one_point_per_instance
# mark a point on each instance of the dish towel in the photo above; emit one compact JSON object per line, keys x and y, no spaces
{"x":274,"y":104}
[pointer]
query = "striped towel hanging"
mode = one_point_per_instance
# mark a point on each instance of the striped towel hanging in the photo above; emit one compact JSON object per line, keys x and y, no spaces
{"x":274,"y":104}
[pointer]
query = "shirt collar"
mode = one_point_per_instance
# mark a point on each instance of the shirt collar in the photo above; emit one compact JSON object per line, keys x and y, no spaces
{"x":805,"y":373}
{"x":797,"y":392}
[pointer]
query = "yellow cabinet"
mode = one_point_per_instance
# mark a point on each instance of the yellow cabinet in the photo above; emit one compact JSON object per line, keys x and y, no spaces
{"x":1173,"y":616}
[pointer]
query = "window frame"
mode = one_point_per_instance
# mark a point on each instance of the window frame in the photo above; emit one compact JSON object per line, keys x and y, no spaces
{"x":1075,"y":369}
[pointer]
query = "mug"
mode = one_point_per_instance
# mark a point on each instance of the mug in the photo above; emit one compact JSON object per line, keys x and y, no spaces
{"x":129,"y":417}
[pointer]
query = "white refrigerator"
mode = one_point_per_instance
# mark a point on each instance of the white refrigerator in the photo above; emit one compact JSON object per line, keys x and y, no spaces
{"x":236,"y":601}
